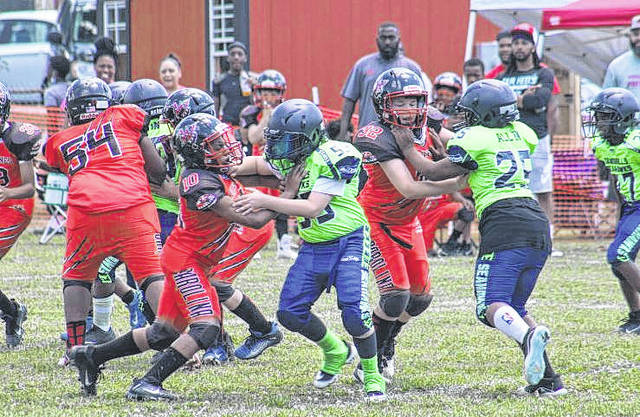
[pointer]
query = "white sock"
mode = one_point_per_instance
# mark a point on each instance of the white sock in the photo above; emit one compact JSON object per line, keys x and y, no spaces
{"x":509,"y":322}
{"x":102,"y":308}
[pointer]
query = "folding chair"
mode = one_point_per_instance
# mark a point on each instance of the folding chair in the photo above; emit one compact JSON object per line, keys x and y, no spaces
{"x":55,"y":197}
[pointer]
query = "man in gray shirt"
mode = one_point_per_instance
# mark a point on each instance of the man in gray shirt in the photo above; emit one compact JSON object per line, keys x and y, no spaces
{"x":58,"y":69}
{"x":624,"y":71}
{"x":364,"y":73}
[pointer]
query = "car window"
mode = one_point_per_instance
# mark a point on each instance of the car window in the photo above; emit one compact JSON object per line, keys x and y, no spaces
{"x":24,"y":31}
{"x":85,"y":29}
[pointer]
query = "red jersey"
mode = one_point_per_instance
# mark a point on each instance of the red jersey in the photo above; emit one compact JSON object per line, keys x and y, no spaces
{"x":201,"y":232}
{"x":103,"y":161}
{"x":381,"y":201}
{"x":18,"y":142}
{"x":495,"y":71}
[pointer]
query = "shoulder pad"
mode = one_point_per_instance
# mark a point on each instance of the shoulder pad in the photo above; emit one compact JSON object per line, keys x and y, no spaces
{"x":342,"y":160}
{"x":377,"y":143}
{"x":201,"y":189}
{"x":23,"y":140}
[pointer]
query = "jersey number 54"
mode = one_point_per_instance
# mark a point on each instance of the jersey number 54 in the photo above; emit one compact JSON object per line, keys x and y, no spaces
{"x":76,"y":152}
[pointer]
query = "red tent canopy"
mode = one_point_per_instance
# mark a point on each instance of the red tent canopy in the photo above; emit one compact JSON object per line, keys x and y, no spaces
{"x":590,"y":13}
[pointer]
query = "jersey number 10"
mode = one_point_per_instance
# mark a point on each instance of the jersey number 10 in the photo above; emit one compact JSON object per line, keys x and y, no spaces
{"x":76,"y":150}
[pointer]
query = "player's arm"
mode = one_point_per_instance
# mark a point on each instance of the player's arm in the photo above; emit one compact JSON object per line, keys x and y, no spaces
{"x":311,"y":207}
{"x":399,"y":175}
{"x":270,"y":181}
{"x":154,"y":165}
{"x":252,"y":165}
{"x":26,"y":189}
{"x":347,"y":111}
{"x":256,"y":131}
{"x":168,"y":189}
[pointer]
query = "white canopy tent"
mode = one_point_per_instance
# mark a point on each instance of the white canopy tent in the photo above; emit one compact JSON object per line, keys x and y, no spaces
{"x":582,"y":35}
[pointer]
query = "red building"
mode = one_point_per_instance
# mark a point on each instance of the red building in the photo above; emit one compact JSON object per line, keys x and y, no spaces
{"x":313,"y":43}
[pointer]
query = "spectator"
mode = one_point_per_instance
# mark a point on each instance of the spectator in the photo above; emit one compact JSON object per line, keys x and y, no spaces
{"x":171,"y":72}
{"x":533,"y":84}
{"x":504,"y":53}
{"x":624,"y":71}
{"x":473,"y":70}
{"x":362,"y":76}
{"x":232,"y":89}
{"x":105,"y":60}
{"x":333,"y":130}
{"x":54,"y":95}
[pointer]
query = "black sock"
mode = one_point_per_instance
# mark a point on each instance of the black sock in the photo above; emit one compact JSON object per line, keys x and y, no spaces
{"x":395,"y":329}
{"x":117,"y":348}
{"x":383,"y":329}
{"x":169,"y":362}
{"x":548,"y":370}
{"x":249,"y":312}
{"x":282,"y":225}
{"x":314,"y":330}
{"x":128,"y":297}
{"x":7,"y":306}
{"x":454,"y":236}
{"x":634,"y":315}
{"x":75,"y":333}
{"x":366,"y":346}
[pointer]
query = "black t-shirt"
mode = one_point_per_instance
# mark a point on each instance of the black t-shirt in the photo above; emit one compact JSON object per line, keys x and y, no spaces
{"x":229,"y":86}
{"x":520,"y":219}
{"x":534,"y":107}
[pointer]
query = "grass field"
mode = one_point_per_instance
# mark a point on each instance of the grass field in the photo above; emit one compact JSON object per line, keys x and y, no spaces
{"x":448,"y":363}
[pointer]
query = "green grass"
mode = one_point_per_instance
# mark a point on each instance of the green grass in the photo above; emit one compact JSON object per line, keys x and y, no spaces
{"x":448,"y":363}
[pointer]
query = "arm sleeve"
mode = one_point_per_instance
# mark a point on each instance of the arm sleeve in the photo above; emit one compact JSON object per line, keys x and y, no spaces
{"x":329,"y":186}
{"x":351,"y":89}
{"x":206,"y":192}
{"x":542,"y":95}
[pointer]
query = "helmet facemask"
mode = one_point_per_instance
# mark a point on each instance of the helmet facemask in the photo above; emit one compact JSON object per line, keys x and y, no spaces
{"x":284,"y":150}
{"x":267,"y":96}
{"x":222,"y":150}
{"x":400,"y":115}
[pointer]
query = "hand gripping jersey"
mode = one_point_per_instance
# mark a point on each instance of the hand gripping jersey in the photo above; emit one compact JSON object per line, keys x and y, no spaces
{"x":200,"y":232}
{"x":334,"y":161}
{"x":18,"y":142}
{"x":380,"y":199}
{"x":251,"y":115}
{"x":103,"y":161}
{"x":158,"y":132}
{"x":623,"y":161}
{"x":499,"y":161}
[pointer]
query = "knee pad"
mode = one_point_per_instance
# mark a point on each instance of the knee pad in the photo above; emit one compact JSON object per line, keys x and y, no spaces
{"x":205,"y":334}
{"x":160,"y":336}
{"x":356,"y":322}
{"x":150,"y":280}
{"x":292,"y":321}
{"x":394,"y":303}
{"x":76,"y":283}
{"x":418,"y":304}
{"x":465,"y":215}
{"x":224,"y":291}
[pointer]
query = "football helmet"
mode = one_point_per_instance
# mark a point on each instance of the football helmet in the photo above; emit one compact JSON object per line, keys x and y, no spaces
{"x":269,"y":80}
{"x":86,"y":99}
{"x":185,"y":102}
{"x":295,"y":130}
{"x":147,"y":94}
{"x":490,"y":103}
{"x":117,"y":91}
{"x":203,"y":142}
{"x":5,"y":105}
{"x":613,"y":113}
{"x":449,"y":80}
{"x":395,"y":83}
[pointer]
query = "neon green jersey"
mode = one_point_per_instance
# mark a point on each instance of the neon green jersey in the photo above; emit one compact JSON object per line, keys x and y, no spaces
{"x":623,"y":161}
{"x":333,"y":168}
{"x":156,"y":132}
{"x":499,"y":160}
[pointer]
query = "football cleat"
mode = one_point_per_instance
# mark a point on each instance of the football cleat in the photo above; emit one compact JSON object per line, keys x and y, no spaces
{"x":375,"y":388}
{"x":88,"y":372}
{"x":257,"y":342}
{"x":535,"y":342}
{"x":547,"y":387}
{"x":323,"y":379}
{"x":630,"y":324}
{"x":137,"y":318}
{"x":97,"y":336}
{"x":143,"y":390}
{"x":220,"y":353}
{"x":284,"y":250}
{"x":14,"y":330}
{"x":64,"y":360}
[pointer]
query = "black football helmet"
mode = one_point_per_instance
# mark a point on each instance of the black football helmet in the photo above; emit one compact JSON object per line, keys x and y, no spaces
{"x":117,"y":91}
{"x":184,"y":102}
{"x":147,"y":94}
{"x":5,"y":105}
{"x":490,"y":103}
{"x":203,"y":142}
{"x":269,"y":80}
{"x":400,"y":82}
{"x":613,"y":113}
{"x":295,"y":130}
{"x":86,"y":99}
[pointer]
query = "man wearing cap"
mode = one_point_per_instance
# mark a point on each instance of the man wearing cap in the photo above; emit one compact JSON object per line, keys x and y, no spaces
{"x":232,"y":89}
{"x":533,"y":85}
{"x":360,"y":81}
{"x":624,"y":71}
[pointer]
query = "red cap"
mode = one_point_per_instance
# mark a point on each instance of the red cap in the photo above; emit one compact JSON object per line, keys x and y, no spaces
{"x":524,"y":30}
